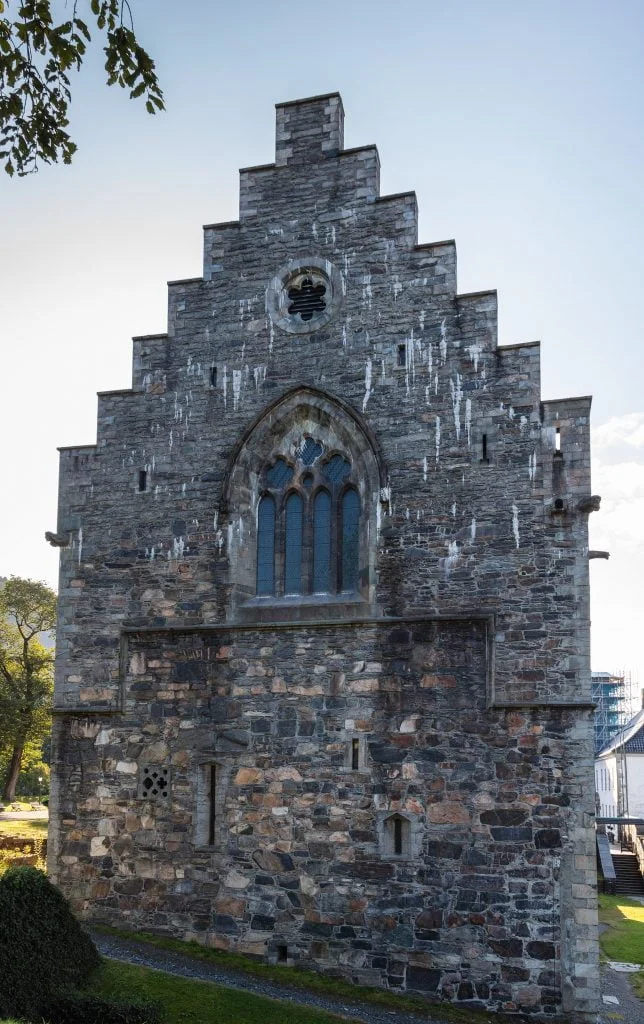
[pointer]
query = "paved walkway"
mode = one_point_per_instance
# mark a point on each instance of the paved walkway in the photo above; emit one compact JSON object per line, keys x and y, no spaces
{"x":146,"y":955}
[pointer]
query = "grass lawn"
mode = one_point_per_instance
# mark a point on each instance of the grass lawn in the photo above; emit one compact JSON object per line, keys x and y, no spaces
{"x":187,"y":1001}
{"x":30,"y":829}
{"x":311,"y":981}
{"x":623,"y":936}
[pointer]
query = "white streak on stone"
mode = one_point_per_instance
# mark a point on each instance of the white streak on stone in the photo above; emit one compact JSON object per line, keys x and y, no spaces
{"x":457,"y":395}
{"x":443,"y":341}
{"x":367,"y":384}
{"x":452,"y":556}
{"x":224,"y":385}
{"x":80,"y":544}
{"x":472,"y":530}
{"x":425,"y":468}
{"x":344,"y":335}
{"x":396,"y":287}
{"x":474,"y":354}
{"x":532,"y":465}
{"x":367,"y":293}
{"x":438,"y":437}
{"x":237,"y":381}
{"x":468,"y":420}
{"x":271,"y":337}
{"x":454,"y":509}
{"x":170,"y":441}
{"x":515,"y":523}
{"x":421,"y":319}
{"x":382,"y":371}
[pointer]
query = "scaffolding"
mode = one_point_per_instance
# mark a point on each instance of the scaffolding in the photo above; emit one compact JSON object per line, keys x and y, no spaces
{"x":612,"y":697}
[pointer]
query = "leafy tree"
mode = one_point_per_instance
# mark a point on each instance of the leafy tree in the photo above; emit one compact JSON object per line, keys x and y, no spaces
{"x":27,"y":609}
{"x":36,"y":56}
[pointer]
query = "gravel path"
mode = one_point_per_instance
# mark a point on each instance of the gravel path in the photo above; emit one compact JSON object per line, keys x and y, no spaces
{"x":628,"y":1009}
{"x":145,"y":955}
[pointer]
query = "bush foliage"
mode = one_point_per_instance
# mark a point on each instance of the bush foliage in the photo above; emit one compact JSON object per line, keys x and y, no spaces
{"x":42,"y":946}
{"x":80,"y":1008}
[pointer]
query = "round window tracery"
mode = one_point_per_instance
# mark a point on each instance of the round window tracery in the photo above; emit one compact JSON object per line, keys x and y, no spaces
{"x":303,"y":295}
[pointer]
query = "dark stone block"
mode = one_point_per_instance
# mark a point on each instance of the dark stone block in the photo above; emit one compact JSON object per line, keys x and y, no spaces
{"x":541,"y":950}
{"x":504,"y":816}
{"x":423,"y":979}
{"x":225,"y":924}
{"x":262,"y":923}
{"x":507,"y":947}
{"x":547,"y":839}
{"x":511,"y":835}
{"x":444,"y":850}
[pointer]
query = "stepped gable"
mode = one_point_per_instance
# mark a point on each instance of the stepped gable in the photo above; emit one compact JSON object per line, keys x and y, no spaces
{"x":322,"y":686}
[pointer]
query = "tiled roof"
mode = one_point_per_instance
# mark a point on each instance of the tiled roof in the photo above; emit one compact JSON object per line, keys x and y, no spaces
{"x":635,"y":745}
{"x":630,"y":738}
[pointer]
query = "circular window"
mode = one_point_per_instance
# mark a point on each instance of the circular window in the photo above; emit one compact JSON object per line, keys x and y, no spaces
{"x":301,"y":297}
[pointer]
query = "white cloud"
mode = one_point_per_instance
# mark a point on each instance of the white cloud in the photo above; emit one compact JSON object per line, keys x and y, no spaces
{"x":619,"y":431}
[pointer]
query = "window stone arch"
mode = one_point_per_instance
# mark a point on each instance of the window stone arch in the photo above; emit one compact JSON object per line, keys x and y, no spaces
{"x":306,"y":446}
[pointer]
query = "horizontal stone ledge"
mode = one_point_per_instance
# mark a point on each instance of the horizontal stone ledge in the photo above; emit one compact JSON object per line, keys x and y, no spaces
{"x":245,"y":627}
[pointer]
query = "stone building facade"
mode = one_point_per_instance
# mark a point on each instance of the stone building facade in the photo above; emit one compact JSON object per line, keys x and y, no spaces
{"x":323,"y":687}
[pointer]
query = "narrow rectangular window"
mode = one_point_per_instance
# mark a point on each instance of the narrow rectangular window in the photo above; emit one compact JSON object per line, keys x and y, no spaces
{"x":213,"y":376}
{"x":398,"y":836}
{"x":402,"y":355}
{"x":484,"y":448}
{"x":557,"y":439}
{"x":355,"y":754}
{"x":212,"y":795}
{"x":143,"y":480}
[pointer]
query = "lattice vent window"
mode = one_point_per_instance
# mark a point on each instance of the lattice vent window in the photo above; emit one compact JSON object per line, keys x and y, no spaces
{"x":306,"y":299}
{"x":154,"y":782}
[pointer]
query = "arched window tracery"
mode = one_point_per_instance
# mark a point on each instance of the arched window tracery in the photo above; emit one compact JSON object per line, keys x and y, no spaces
{"x":308,"y":524}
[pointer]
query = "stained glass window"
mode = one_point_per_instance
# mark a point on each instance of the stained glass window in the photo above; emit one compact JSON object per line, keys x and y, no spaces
{"x":350,"y":540}
{"x":336,"y":469}
{"x":322,"y":543}
{"x":266,"y":546}
{"x":279,"y":474}
{"x":293,"y":545}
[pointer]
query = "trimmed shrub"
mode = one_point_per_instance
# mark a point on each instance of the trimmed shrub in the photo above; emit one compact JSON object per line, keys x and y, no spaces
{"x":42,"y":945}
{"x":79,"y":1008}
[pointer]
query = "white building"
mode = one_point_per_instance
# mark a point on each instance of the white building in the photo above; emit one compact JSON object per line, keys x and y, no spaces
{"x":619,"y":772}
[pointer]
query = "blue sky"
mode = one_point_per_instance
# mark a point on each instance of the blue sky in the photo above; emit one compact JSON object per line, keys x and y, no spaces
{"x":519,"y":125}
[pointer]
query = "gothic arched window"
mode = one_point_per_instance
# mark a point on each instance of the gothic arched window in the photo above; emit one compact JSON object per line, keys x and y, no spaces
{"x":308,"y":525}
{"x":266,"y":546}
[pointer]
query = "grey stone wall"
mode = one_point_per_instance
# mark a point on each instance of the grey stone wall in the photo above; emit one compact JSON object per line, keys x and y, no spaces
{"x":460,"y":664}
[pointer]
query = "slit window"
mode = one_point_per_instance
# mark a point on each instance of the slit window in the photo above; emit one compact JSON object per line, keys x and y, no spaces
{"x":398,"y":836}
{"x":402,"y":355}
{"x":557,"y":439}
{"x":213,"y":376}
{"x":143,"y":480}
{"x":355,"y":754}
{"x":484,"y":455}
